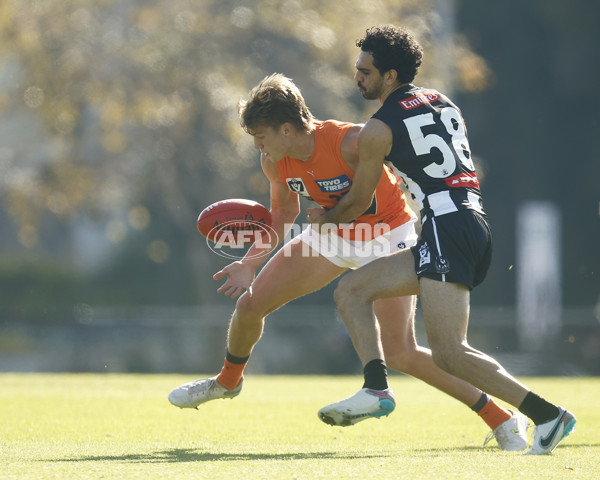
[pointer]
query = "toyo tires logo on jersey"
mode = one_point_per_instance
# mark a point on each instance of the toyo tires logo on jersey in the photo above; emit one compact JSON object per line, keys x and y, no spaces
{"x":336,"y":184}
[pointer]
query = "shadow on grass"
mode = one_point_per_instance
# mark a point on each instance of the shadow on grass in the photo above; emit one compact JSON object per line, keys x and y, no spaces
{"x":193,"y":455}
{"x":177,"y":455}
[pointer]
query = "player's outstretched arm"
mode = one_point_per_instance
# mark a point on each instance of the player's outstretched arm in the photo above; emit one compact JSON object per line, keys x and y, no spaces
{"x":285,"y":207}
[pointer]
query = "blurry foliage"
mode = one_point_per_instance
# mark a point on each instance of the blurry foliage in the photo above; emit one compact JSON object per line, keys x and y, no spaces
{"x":28,"y":285}
{"x":124,"y":113}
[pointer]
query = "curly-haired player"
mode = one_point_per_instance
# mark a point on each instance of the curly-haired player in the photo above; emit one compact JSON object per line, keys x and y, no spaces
{"x":423,"y":134}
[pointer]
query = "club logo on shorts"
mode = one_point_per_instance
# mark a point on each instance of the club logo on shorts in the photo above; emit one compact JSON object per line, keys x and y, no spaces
{"x":425,"y":256}
{"x":442,"y":265}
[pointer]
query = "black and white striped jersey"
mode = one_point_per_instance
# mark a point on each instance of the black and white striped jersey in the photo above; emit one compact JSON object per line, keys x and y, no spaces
{"x":430,"y":150}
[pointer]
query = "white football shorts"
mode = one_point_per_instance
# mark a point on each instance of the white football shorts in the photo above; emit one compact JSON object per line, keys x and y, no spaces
{"x":355,"y":254}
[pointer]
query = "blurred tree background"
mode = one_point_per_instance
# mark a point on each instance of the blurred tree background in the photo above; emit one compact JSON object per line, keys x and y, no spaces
{"x":118,"y":125}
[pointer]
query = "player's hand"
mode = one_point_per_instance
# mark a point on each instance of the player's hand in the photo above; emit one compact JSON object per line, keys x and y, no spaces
{"x":239,"y":278}
{"x":316,"y":216}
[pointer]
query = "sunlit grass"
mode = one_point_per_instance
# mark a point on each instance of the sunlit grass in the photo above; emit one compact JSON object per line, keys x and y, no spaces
{"x":122,"y":426}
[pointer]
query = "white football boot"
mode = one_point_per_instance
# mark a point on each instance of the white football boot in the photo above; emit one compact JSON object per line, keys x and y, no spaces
{"x":548,"y":435}
{"x":511,"y":435}
{"x":192,"y":394}
{"x":365,"y":404}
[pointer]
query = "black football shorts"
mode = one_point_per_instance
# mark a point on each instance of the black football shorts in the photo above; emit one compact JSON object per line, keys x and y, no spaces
{"x":455,"y":247}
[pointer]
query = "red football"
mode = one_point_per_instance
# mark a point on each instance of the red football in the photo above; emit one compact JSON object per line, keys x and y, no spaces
{"x":236,"y":217}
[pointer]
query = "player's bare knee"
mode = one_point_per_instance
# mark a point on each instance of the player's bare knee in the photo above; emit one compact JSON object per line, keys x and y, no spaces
{"x":247,"y":307}
{"x":447,"y":357}
{"x":346,"y":292}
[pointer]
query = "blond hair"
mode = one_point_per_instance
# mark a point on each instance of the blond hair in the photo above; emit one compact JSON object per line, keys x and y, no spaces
{"x":274,"y":101}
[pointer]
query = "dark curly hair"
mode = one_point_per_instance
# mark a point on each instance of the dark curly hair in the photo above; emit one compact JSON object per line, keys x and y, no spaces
{"x":393,"y":48}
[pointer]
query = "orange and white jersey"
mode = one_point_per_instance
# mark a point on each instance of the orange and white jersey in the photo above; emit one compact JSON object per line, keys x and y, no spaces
{"x":325,"y":177}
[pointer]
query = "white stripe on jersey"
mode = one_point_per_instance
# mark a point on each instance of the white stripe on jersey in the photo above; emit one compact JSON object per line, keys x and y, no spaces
{"x":411,"y":185}
{"x":475,"y":201}
{"x":441,"y":203}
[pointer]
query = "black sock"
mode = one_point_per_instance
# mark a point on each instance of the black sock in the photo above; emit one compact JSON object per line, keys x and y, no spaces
{"x":482,"y":402}
{"x":237,"y":360}
{"x":538,"y":409}
{"x":375,"y":373}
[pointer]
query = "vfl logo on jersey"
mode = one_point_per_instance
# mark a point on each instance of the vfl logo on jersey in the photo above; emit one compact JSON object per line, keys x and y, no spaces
{"x":297,"y":186}
{"x":336,"y":184}
{"x":419,"y":99}
{"x":425,"y":255}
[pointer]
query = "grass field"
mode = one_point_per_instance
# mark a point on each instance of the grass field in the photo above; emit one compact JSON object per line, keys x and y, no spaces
{"x":122,"y":427}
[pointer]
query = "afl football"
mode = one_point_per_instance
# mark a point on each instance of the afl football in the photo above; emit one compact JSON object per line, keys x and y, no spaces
{"x":233,"y":217}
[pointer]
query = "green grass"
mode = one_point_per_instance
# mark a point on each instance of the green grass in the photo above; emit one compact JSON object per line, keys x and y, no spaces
{"x":122,"y":426}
